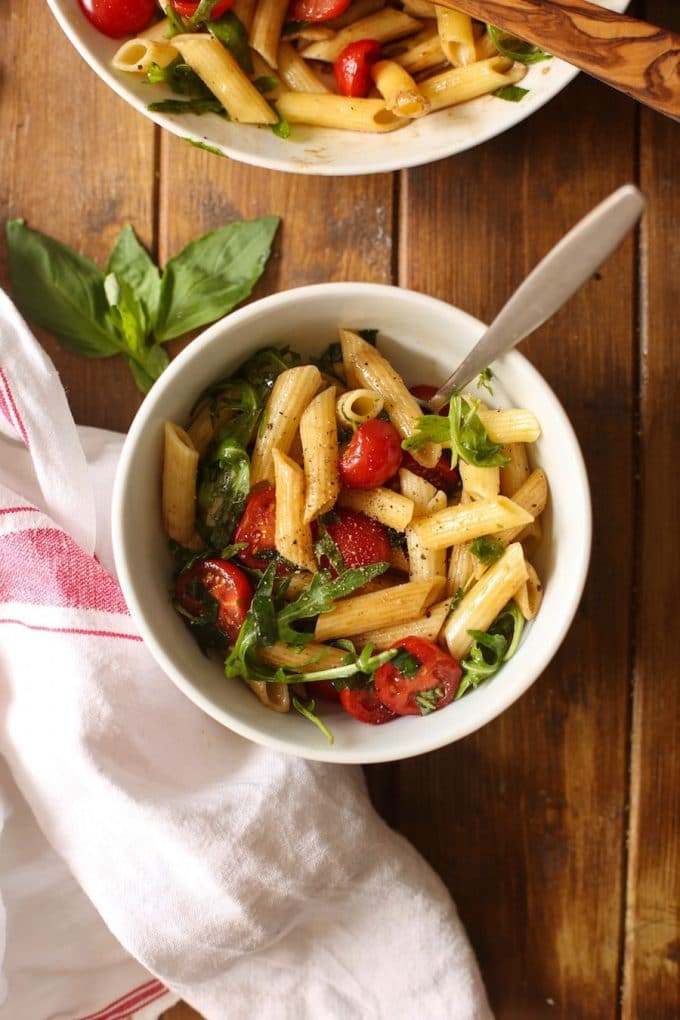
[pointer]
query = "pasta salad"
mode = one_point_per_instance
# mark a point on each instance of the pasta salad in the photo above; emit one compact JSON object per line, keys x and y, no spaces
{"x":333,"y":542}
{"x":359,"y":65}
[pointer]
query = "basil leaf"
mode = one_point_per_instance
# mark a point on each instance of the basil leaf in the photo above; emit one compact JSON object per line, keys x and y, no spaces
{"x":61,"y":291}
{"x":223,"y":487}
{"x":511,"y":93}
{"x":230,"y":31}
{"x":265,"y":366}
{"x":212,"y":275}
{"x":469,"y":439}
{"x":146,"y":361}
{"x":516,"y":49}
{"x":132,"y":264}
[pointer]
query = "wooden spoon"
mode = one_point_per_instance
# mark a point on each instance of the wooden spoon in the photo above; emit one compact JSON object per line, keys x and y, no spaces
{"x":637,"y":58}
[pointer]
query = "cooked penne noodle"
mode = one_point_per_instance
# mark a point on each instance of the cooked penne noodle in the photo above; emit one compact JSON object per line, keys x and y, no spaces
{"x":357,"y":10}
{"x":461,"y":570}
{"x":530,"y":595}
{"x":159,"y":30}
{"x":485,"y":47}
{"x":460,"y":84}
{"x":424,"y":51}
{"x":532,"y":496}
{"x":296,"y":73}
{"x":510,"y":425}
{"x":420,"y":8}
{"x":319,"y":437}
{"x":392,"y":605}
{"x":483,"y":602}
{"x":384,"y":505}
{"x":290,"y":395}
{"x":400,"y":92}
{"x":137,"y":55}
{"x":311,"y":658}
{"x":375,"y":372}
{"x":274,"y":696}
{"x":516,"y":471}
{"x":217,"y":68}
{"x":354,"y":407}
{"x":456,"y":36}
{"x":417,"y":489}
{"x":479,"y":482}
{"x":342,"y":112}
{"x":383,"y":26}
{"x":426,"y":626}
{"x":264,"y":34}
{"x":180,"y":469}
{"x":466,"y":521}
{"x":426,"y":562}
{"x":244,"y":11}
{"x":293,"y":537}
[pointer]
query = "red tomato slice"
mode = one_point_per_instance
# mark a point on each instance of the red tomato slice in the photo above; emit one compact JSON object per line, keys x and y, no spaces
{"x":442,"y":475}
{"x":187,"y":8}
{"x":352,"y":68}
{"x":317,"y":10}
{"x":365,"y":705}
{"x":117,"y":18}
{"x":226,"y":583}
{"x":425,"y":681}
{"x":359,"y":538}
{"x":372,"y":455}
{"x":257,"y":528}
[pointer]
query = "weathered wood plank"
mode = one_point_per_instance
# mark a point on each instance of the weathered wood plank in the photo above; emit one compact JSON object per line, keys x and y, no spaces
{"x":76,"y":163}
{"x":525,"y":818}
{"x":651,"y":986}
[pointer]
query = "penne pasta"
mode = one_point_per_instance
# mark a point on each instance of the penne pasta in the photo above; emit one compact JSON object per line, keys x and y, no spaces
{"x":180,"y":468}
{"x":297,"y":74}
{"x":311,"y":658}
{"x":516,"y":471}
{"x":390,"y":508}
{"x":274,"y":696}
{"x":530,"y":595}
{"x":265,"y":28}
{"x":400,"y":92}
{"x":426,"y":626}
{"x":382,"y":26}
{"x":293,"y":536}
{"x":319,"y":437}
{"x":532,"y":496}
{"x":460,"y":84}
{"x":466,"y":521}
{"x":479,"y":482}
{"x":510,"y":425}
{"x":354,"y":407}
{"x":342,"y":112}
{"x":290,"y":395}
{"x":392,"y":605}
{"x":137,"y":55}
{"x":456,"y":36}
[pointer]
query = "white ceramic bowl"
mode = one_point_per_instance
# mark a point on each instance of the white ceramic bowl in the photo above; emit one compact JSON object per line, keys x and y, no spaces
{"x":424,"y":339}
{"x":320,"y":150}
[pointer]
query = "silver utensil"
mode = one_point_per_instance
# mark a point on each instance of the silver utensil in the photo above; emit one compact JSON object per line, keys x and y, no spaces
{"x":555,"y":279}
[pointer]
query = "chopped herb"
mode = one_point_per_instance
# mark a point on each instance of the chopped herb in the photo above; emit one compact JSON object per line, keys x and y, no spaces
{"x":406,"y":663}
{"x":427,"y":700}
{"x":487,"y":549}
{"x":457,"y":598}
{"x":204,"y":145}
{"x":484,"y":380}
{"x":330,"y":359}
{"x":306,"y":709}
{"x":492,"y":648}
{"x":266,"y":83}
{"x":516,"y":49}
{"x":511,"y":93}
{"x":430,"y":428}
{"x":282,"y":128}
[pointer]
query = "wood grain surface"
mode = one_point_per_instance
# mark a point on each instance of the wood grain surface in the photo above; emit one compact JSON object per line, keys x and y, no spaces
{"x":640,"y":59}
{"x":556,"y":827}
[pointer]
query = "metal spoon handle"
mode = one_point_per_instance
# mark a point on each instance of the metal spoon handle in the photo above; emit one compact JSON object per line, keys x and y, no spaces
{"x":556,"y":277}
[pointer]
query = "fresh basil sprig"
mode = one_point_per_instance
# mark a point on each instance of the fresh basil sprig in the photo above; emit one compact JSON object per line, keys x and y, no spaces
{"x":131,"y":308}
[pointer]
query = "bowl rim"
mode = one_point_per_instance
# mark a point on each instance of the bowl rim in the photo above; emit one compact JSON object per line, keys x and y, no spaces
{"x":514,"y":115}
{"x":506,"y":696}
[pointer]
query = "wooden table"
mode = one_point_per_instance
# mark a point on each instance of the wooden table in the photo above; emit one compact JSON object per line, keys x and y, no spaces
{"x":557,"y":827}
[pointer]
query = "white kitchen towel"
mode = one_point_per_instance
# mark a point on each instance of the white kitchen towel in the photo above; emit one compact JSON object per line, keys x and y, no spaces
{"x":251,"y":884}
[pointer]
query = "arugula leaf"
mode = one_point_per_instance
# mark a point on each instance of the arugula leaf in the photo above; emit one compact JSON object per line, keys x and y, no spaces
{"x":491,"y":648}
{"x":202,"y":12}
{"x":131,"y":263}
{"x":427,"y":700}
{"x":306,"y":709}
{"x":212,"y":275}
{"x":487,"y":549}
{"x":197,"y":106}
{"x":291,"y":27}
{"x":484,"y":380}
{"x":406,"y":663}
{"x":431,"y":428}
{"x":282,"y":128}
{"x":258,"y":630}
{"x":325,"y":546}
{"x":224,"y":482}
{"x":469,"y":439}
{"x":319,"y":598}
{"x":61,"y":291}
{"x":231,"y":32}
{"x":511,"y":93}
{"x":180,"y":78}
{"x":330,"y":359}
{"x":516,"y":49}
{"x":176,"y":25}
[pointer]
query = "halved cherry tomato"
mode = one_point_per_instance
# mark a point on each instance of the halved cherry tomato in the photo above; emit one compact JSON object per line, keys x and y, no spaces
{"x":423,"y":681}
{"x":365,"y":705}
{"x":225,"y":583}
{"x":257,"y":527}
{"x":424,"y":391}
{"x":372,"y":455}
{"x":317,"y":10}
{"x":117,"y":18}
{"x":352,"y":68}
{"x":187,"y":8}
{"x":442,"y":475}
{"x":359,"y":538}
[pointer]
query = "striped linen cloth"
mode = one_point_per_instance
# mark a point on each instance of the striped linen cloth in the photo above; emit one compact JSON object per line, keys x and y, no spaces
{"x":146,"y":852}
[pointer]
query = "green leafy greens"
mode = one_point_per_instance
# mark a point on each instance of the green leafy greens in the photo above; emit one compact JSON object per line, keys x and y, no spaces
{"x":487,"y":549}
{"x":132,"y":308}
{"x":492,"y":648}
{"x":516,"y":49}
{"x":462,"y":431}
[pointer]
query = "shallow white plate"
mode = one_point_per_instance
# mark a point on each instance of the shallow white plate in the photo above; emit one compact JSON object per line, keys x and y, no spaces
{"x":424,"y":339}
{"x":321,"y":150}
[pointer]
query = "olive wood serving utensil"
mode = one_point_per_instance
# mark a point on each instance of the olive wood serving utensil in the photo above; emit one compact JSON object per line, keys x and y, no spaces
{"x":630,"y":55}
{"x":558,"y":276}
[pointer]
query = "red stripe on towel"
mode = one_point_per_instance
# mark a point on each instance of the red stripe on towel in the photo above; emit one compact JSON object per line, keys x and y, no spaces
{"x":139,"y":997}
{"x":45,"y":567}
{"x":10,"y":409}
{"x":71,"y":630}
